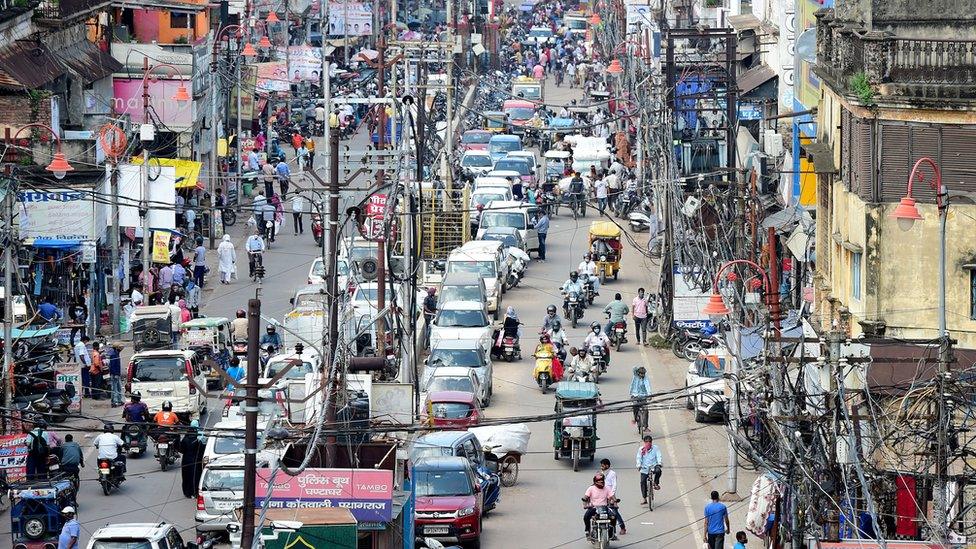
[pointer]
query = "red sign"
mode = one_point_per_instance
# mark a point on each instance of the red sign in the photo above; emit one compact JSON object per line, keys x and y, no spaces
{"x":865,"y":544}
{"x":368,"y":493}
{"x":13,"y":457}
{"x":375,"y":213}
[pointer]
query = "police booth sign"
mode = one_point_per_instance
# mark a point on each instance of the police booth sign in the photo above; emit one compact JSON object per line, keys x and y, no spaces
{"x":368,"y":493}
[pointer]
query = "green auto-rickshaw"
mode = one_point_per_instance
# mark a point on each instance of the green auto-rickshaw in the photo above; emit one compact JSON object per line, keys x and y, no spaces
{"x":574,"y":436}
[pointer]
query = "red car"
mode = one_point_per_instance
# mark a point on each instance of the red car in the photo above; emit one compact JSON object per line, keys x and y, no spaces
{"x":453,"y":409}
{"x":475,"y":140}
{"x":449,"y":501}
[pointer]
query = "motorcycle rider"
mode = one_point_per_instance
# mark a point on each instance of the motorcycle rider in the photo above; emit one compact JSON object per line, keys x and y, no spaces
{"x":510,"y":328}
{"x":649,"y":462}
{"x":255,"y":249}
{"x":238,"y":326}
{"x":587,"y":268}
{"x":582,"y":363}
{"x":550,"y":318}
{"x":108,"y":445}
{"x":640,"y":389}
{"x":271,"y":338}
{"x":597,"y":495}
{"x":597,"y":337}
{"x":545,"y":346}
{"x":576,"y":190}
{"x":266,"y":355}
{"x":135,"y":411}
{"x":559,"y":338}
{"x":568,"y":287}
{"x":166,"y":417}
{"x":617,"y":310}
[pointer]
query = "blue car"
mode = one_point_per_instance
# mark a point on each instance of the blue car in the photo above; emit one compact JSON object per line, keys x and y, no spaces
{"x":502,"y":144}
{"x":460,"y":444}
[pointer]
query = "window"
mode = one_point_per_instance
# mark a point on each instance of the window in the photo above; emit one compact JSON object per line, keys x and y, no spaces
{"x":178,"y":20}
{"x":972,"y":294}
{"x":856,"y":275}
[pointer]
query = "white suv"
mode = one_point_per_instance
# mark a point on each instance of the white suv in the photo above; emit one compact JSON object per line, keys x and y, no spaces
{"x":145,"y":535}
{"x":174,"y":376}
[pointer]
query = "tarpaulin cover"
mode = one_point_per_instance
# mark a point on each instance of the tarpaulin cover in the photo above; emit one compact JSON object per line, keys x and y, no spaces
{"x":504,"y":438}
{"x":56,"y":243}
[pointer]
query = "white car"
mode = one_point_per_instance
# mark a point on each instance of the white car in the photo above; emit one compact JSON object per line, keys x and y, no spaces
{"x":539,"y":36}
{"x":174,"y":376}
{"x":144,"y":535}
{"x":705,"y":386}
{"x":451,"y":355}
{"x":316,"y":273}
{"x":226,"y":438}
{"x":454,"y":378}
{"x":465,"y":320}
{"x":476,"y":162}
{"x":485,"y":182}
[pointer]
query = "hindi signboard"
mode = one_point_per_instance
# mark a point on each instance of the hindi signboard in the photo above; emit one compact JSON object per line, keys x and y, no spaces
{"x":13,"y":457}
{"x":70,"y":372}
{"x":350,"y":18}
{"x":368,"y":493}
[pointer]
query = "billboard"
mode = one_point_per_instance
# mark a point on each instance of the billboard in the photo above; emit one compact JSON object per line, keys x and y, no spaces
{"x":272,"y":77}
{"x":127,"y":99}
{"x":13,"y":457}
{"x":162,"y":195}
{"x":70,"y":372}
{"x":57,"y":214}
{"x":368,"y":493}
{"x":304,"y":63}
{"x":350,"y":18}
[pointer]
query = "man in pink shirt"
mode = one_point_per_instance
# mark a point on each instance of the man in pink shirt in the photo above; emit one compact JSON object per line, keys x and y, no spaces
{"x":597,"y":495}
{"x":639,"y":309}
{"x":538,"y":72}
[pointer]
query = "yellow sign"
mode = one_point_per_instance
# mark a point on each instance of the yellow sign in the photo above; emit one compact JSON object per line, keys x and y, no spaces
{"x":187,"y":171}
{"x":160,"y":252}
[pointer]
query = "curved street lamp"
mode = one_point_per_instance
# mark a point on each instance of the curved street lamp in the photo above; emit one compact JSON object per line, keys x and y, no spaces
{"x":181,"y":94}
{"x":716,"y":305}
{"x":59,"y":166}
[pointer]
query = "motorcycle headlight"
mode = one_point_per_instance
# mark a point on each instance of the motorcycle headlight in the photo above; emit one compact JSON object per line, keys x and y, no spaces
{"x":466,"y":512}
{"x":603,"y":258}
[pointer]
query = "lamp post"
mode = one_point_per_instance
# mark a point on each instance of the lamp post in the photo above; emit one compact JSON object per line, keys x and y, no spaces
{"x":147,"y":133}
{"x":716,"y":308}
{"x":59,"y":167}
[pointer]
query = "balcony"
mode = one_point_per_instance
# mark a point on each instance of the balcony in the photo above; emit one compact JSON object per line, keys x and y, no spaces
{"x":897,"y":69}
{"x":60,"y":12}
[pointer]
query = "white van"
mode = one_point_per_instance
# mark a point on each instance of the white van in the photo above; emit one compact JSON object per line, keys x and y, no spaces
{"x":169,"y":375}
{"x":495,"y":248}
{"x":518,"y":215}
{"x":221,"y":491}
{"x":485,"y":265}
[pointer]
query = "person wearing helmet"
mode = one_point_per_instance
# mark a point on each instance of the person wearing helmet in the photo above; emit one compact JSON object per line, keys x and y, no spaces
{"x":640,"y":389}
{"x":166,"y":417}
{"x":572,"y":285}
{"x":272,"y":338}
{"x":136,"y":410}
{"x":550,"y":318}
{"x":238,"y":326}
{"x":587,"y":268}
{"x":596,"y":337}
{"x":597,"y":495}
{"x":559,"y":338}
{"x":581,"y":365}
{"x":109,"y":446}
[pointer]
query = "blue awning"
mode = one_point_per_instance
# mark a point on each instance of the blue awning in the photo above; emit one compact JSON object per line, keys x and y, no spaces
{"x":56,"y":243}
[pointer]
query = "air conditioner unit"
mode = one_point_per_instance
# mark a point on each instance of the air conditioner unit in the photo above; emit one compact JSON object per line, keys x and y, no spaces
{"x":772,"y":143}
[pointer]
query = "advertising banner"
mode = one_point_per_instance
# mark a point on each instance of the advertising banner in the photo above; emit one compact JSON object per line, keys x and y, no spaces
{"x":368,"y":493}
{"x":162,"y":195}
{"x":127,"y":99}
{"x":70,"y":372}
{"x":350,"y":18}
{"x":160,"y":250}
{"x":305,"y":63}
{"x":58,"y":214}
{"x":272,"y":77}
{"x":13,"y":457}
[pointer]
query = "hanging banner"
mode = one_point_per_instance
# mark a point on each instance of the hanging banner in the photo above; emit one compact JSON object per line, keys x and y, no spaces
{"x":13,"y":457}
{"x":272,"y":77}
{"x":160,"y":252}
{"x":350,"y":19}
{"x":304,"y":63}
{"x":57,"y":214}
{"x":70,"y":372}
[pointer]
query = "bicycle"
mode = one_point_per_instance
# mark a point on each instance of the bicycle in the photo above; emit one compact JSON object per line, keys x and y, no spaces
{"x":640,"y":416}
{"x":650,"y":486}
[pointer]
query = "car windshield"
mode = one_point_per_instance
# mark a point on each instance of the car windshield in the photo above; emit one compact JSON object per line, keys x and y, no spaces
{"x":470,"y":358}
{"x":545,"y":33}
{"x":450,"y":410}
{"x":475,"y":138}
{"x":123,"y":543}
{"x":461,"y":319}
{"x":520,"y":113}
{"x":506,"y":239}
{"x":310,"y":300}
{"x":443,"y":483}
{"x":485,"y":198}
{"x":708,"y":368}
{"x":476,"y":161}
{"x":505,"y":146}
{"x":503,"y":219}
{"x":362,"y":252}
{"x":367,"y":294}
{"x":528,"y":92}
{"x":511,"y":164}
{"x":461,"y":293}
{"x":162,"y":368}
{"x":421,"y":450}
{"x":223,"y":479}
{"x":485,"y":269}
{"x":576,"y":24}
{"x":463,"y":384}
{"x":229,"y":444}
{"x":318,"y":268}
{"x":297,"y":371}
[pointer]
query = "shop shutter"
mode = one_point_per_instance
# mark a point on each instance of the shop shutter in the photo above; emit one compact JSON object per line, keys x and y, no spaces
{"x":894,"y":161}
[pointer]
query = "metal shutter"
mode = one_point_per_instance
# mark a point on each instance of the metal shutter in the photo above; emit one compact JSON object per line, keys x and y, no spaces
{"x":959,"y":158}
{"x":894,"y":161}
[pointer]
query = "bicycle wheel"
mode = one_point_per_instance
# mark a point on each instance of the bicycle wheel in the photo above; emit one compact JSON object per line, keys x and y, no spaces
{"x":642,"y":421}
{"x":508,"y":471}
{"x":650,"y":491}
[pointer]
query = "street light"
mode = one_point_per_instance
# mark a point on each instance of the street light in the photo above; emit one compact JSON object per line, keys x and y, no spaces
{"x":181,"y":94}
{"x":264,"y":42}
{"x":595,"y":19}
{"x":272,"y":17}
{"x":615,"y":67}
{"x":59,"y":166}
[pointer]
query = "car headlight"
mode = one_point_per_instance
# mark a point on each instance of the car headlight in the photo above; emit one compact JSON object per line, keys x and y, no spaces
{"x":603,"y":258}
{"x":466,"y":512}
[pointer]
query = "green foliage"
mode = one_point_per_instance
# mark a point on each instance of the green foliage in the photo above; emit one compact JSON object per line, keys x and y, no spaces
{"x":658,"y":342}
{"x":862,"y":88}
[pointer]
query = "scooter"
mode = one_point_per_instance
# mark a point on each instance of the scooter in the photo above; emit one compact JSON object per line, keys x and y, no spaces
{"x":491,"y":488}
{"x":166,"y":451}
{"x":543,"y":369}
{"x":510,"y":348}
{"x":317,"y":229}
{"x":134,"y":436}
{"x":618,"y":334}
{"x":639,"y":222}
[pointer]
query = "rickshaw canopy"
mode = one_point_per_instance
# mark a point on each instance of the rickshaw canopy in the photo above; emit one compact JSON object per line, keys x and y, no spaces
{"x":207,"y":322}
{"x":604,"y":229}
{"x":577,"y":390}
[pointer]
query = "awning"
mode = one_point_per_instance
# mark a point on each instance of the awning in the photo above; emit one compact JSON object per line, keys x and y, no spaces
{"x":17,"y":333}
{"x":28,"y":64}
{"x":55,"y":243}
{"x":896,"y":366}
{"x":188,"y":170}
{"x":754,"y":77}
{"x":754,"y":340}
{"x":784,"y":221}
{"x":88,"y":62}
{"x":744,"y":22}
{"x":821,"y":155}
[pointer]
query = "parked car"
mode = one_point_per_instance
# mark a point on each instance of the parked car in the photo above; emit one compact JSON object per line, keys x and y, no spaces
{"x":172,"y":376}
{"x":226,"y":438}
{"x":510,"y":237}
{"x":521,"y":165}
{"x":453,"y":409}
{"x":466,"y":287}
{"x":465,"y":320}
{"x":221,"y":493}
{"x":141,"y":535}
{"x":308,"y":297}
{"x":485,"y":265}
{"x":316,"y":273}
{"x":517,"y":215}
{"x":449,"y":500}
{"x":705,"y":386}
{"x":453,"y":378}
{"x":452,"y":354}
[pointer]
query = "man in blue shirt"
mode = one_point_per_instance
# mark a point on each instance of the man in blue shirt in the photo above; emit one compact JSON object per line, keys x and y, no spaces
{"x":649,"y":462}
{"x":253,"y":162}
{"x":235,"y":372}
{"x":542,"y":228}
{"x":71,"y":531}
{"x":284,"y":177}
{"x":716,"y":523}
{"x":48,"y":311}
{"x":179,"y":274}
{"x":115,"y":372}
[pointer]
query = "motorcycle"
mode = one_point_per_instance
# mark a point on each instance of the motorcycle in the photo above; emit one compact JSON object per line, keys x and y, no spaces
{"x":639,"y":222}
{"x":581,"y":375}
{"x":599,"y":358}
{"x":52,"y":404}
{"x":110,"y":474}
{"x":166,"y":450}
{"x":688,"y":343}
{"x":317,"y":229}
{"x":256,"y":265}
{"x":491,"y":488}
{"x":240,"y":347}
{"x":134,"y":436}
{"x":543,"y":369}
{"x":625,"y":201}
{"x":588,"y":291}
{"x":574,"y":308}
{"x":602,"y":527}
{"x":618,"y":334}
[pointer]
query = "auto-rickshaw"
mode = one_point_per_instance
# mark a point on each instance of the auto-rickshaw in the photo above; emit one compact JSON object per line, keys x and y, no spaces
{"x":152,"y":328}
{"x":35,"y":510}
{"x":495,"y":122}
{"x":574,"y":436}
{"x":210,"y":338}
{"x":605,"y":246}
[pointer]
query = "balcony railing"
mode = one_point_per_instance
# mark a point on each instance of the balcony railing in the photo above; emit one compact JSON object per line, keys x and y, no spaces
{"x":68,"y":9}
{"x":920,"y":67}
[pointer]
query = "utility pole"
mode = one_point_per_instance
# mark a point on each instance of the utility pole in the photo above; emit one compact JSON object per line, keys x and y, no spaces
{"x":213,"y":127}
{"x":326,"y":75}
{"x":144,"y":172}
{"x":251,"y":421}
{"x":333,"y":297}
{"x":8,"y":290}
{"x":449,"y":111}
{"x":114,"y":235}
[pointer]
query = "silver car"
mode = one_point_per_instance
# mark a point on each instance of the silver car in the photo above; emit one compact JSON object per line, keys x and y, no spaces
{"x":462,"y":353}
{"x":222,"y":492}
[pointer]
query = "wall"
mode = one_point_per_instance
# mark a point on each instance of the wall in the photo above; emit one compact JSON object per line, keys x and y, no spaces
{"x":154,"y":25}
{"x":16,"y":111}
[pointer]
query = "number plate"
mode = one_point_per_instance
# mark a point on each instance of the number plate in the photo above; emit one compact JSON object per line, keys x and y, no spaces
{"x":225,"y":505}
{"x":163,"y":446}
{"x":103,"y":470}
{"x":160,"y":393}
{"x":436,"y":529}
{"x":53,"y":467}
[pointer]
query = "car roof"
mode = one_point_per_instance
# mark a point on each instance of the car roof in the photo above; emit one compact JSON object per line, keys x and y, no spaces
{"x":508,"y":205}
{"x":463,"y":306}
{"x":451,"y":396}
{"x":481,"y":245}
{"x":465,"y":344}
{"x":186,"y":353}
{"x":477,"y":131}
{"x":461,"y":279}
{"x":229,"y":424}
{"x":442,"y":463}
{"x":150,"y":530}
{"x":444,"y":438}
{"x":474,"y":152}
{"x":451,"y":371}
{"x":505,"y":137}
{"x":309,"y":289}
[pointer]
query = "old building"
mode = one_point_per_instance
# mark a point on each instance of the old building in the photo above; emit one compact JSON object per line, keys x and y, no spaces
{"x":897,"y":86}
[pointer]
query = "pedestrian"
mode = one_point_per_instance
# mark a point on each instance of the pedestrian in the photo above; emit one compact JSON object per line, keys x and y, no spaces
{"x":542,"y":229}
{"x":716,"y":523}
{"x":179,"y":274}
{"x":38,"y":450}
{"x":610,"y":477}
{"x":297,"y":209}
{"x":638,"y":309}
{"x":95,"y":371}
{"x":114,"y":353}
{"x":185,"y":314}
{"x":600,"y":187}
{"x":268,"y":175}
{"x":296,"y":141}
{"x":191,"y":218}
{"x":191,"y":465}
{"x":310,"y":146}
{"x":78,"y":313}
{"x":226,"y":259}
{"x":82,"y":357}
{"x":430,"y":311}
{"x":71,"y":531}
{"x":48,"y":311}
{"x":302,"y":157}
{"x":165,"y":281}
{"x":193,"y":298}
{"x":284,"y":176}
{"x":253,"y":160}
{"x":199,"y":262}
{"x":740,"y":540}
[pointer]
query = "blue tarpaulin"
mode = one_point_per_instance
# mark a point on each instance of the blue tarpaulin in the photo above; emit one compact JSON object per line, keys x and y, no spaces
{"x":56,"y":243}
{"x":32,"y":332}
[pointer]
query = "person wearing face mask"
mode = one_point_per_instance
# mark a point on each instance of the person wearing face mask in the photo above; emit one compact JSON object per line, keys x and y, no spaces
{"x":649,"y":462}
{"x":272,"y":338}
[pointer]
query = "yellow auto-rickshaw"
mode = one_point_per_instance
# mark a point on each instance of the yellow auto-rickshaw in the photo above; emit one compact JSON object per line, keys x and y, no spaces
{"x":606,"y":249}
{"x":495,"y":122}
